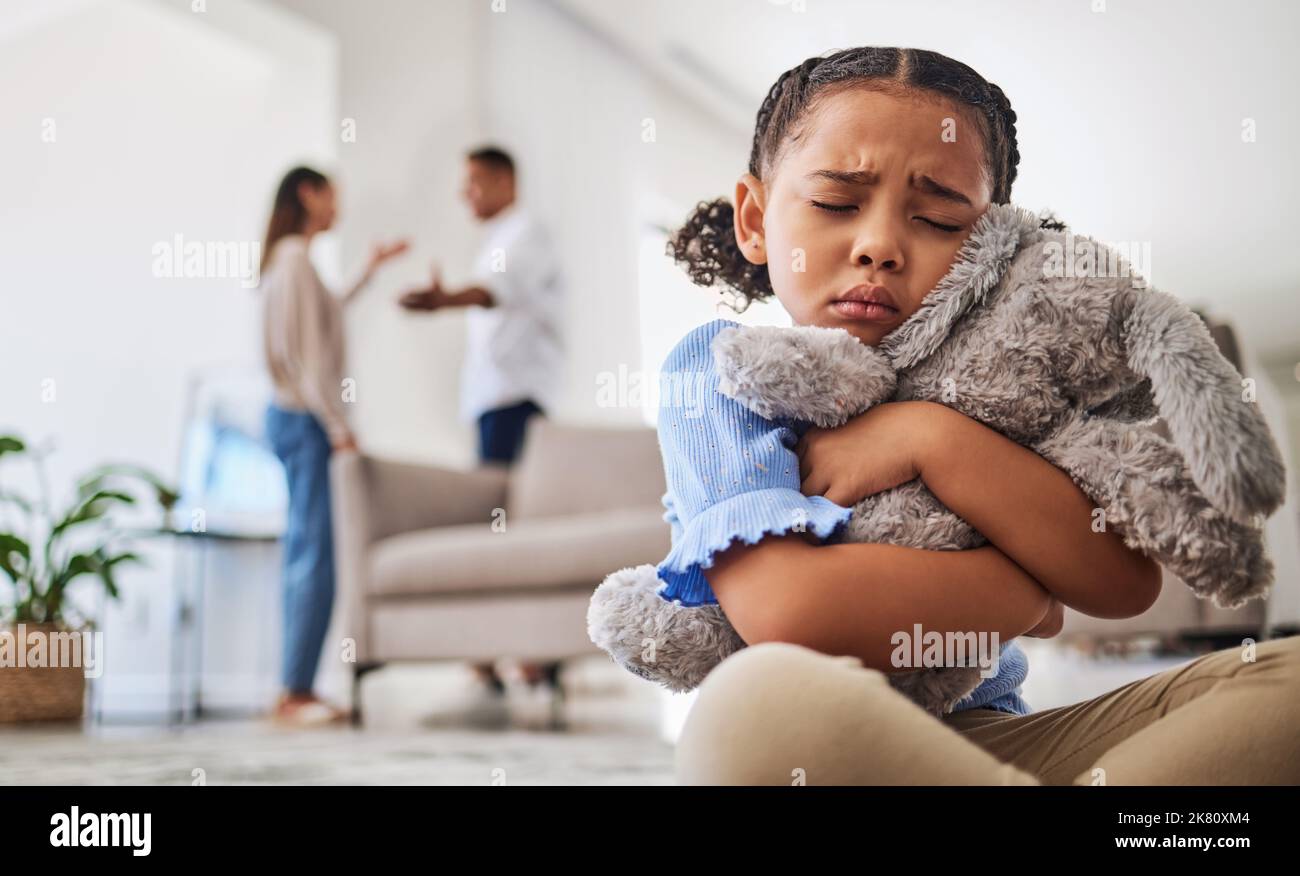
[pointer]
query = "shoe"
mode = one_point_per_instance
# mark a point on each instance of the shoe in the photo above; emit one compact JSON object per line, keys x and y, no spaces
{"x":300,"y":712}
{"x":548,"y":673}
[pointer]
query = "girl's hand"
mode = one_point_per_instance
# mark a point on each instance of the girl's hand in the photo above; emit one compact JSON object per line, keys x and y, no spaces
{"x":1051,"y":623}
{"x":867,"y":455}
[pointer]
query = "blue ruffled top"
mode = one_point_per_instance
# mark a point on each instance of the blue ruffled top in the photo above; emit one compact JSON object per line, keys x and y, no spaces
{"x":733,"y":474}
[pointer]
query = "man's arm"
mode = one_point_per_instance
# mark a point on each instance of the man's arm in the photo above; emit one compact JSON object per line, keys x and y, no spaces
{"x":437,"y":298}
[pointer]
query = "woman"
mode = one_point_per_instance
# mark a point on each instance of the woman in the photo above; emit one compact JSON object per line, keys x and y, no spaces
{"x":303,"y":335}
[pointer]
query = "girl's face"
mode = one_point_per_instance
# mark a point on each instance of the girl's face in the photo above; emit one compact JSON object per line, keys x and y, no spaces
{"x":866,"y":210}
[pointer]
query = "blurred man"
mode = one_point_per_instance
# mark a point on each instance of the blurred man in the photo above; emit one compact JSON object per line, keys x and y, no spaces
{"x":514,"y":352}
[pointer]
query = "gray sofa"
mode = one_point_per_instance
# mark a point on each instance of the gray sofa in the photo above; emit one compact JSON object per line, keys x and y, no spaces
{"x":440,"y":564}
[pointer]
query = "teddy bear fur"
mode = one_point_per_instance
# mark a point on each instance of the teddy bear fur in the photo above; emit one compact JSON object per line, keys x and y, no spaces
{"x":1073,"y":367}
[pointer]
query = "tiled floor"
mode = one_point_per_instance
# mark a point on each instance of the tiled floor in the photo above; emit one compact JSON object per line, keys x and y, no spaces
{"x":619,"y":730}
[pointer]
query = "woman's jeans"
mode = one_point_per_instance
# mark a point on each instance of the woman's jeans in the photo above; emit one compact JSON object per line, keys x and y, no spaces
{"x":308,"y":572}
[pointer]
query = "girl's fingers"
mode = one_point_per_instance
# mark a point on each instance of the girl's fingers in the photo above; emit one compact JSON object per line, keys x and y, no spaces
{"x":839,"y":497}
{"x":813,"y":486}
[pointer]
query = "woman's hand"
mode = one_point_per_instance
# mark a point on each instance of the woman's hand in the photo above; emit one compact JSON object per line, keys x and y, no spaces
{"x":867,"y":455}
{"x":383,"y":252}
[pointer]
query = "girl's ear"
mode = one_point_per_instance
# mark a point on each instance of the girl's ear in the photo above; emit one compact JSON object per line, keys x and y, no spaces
{"x":751,"y":201}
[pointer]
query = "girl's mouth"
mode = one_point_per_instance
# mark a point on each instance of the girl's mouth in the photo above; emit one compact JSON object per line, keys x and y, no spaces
{"x":865,"y":311}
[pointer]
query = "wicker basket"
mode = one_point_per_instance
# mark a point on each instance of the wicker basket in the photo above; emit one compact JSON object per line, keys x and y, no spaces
{"x":46,"y":693}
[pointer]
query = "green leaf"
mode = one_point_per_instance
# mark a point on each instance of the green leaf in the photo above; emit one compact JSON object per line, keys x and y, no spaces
{"x":92,"y":507}
{"x":106,"y":572}
{"x":10,"y":545}
{"x":163,"y":494}
{"x":11,"y":444}
{"x":99,"y":562}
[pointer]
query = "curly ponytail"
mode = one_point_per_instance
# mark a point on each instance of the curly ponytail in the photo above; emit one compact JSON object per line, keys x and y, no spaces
{"x":706,"y":248}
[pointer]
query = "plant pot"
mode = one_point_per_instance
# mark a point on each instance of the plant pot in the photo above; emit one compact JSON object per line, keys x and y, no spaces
{"x":39,"y":693}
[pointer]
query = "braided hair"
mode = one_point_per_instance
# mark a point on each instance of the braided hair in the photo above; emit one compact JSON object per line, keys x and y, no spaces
{"x":706,"y":245}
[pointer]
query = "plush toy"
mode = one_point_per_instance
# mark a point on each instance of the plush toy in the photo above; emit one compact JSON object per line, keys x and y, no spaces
{"x":1075,"y":364}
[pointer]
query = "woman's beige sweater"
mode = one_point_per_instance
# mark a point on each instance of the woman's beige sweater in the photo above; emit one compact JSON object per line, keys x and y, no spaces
{"x":303,"y":337}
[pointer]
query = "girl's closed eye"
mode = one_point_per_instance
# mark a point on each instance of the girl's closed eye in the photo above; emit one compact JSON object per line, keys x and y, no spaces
{"x":848,"y":208}
{"x":833,"y":208}
{"x":947,"y":229}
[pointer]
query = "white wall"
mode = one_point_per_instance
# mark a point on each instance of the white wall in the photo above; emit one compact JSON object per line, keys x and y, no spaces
{"x":165,"y":122}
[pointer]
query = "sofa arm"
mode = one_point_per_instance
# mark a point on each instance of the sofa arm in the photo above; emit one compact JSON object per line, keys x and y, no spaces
{"x":395,"y":497}
{"x":374,"y":498}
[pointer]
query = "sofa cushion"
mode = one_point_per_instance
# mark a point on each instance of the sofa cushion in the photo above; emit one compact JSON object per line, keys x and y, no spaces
{"x":580,"y":469}
{"x":572,"y":551}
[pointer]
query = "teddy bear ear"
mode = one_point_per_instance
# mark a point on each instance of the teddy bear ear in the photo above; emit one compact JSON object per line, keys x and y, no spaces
{"x":1212,"y":416}
{"x":823,"y":376}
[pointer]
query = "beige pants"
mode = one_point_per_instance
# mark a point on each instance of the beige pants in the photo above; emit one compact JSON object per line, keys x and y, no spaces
{"x":778,"y":713}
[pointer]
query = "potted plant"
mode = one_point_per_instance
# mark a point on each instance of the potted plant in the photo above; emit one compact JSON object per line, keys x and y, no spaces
{"x":43,"y":550}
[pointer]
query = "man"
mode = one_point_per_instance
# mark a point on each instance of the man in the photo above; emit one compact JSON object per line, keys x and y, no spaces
{"x":514,"y":352}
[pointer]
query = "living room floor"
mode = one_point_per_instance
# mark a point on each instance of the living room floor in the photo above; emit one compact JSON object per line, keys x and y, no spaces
{"x":618,"y":731}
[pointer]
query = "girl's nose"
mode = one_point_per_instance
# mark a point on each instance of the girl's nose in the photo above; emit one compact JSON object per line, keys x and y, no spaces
{"x":878,"y":247}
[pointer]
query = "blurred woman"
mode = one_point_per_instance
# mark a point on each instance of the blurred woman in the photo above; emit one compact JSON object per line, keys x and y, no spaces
{"x":305,"y":422}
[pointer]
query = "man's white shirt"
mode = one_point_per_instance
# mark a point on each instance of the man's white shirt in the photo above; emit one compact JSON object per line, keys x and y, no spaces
{"x":514,"y":349}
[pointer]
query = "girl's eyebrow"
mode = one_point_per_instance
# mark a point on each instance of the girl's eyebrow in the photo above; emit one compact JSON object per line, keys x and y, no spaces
{"x":920,"y":181}
{"x":927,"y":184}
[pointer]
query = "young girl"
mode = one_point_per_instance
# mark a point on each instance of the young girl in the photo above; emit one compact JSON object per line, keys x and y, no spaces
{"x":868,"y":170}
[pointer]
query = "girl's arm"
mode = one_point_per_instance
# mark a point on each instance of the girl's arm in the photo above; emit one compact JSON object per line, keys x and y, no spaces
{"x":1035,"y":514}
{"x":1025,"y":506}
{"x":852,"y":598}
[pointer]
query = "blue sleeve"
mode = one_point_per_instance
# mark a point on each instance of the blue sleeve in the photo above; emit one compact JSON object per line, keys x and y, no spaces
{"x":731,"y":473}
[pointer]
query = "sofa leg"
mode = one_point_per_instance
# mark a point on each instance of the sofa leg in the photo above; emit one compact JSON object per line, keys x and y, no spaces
{"x":359,"y":671}
{"x":552,"y":677}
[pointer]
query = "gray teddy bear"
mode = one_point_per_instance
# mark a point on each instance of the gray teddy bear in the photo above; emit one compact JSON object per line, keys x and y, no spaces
{"x":1073,"y":367}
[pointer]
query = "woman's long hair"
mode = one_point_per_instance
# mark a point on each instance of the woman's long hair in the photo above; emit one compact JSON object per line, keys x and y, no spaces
{"x":288,"y":213}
